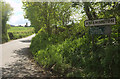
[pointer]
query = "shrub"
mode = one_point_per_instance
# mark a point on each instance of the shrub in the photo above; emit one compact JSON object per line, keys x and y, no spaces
{"x":77,"y":57}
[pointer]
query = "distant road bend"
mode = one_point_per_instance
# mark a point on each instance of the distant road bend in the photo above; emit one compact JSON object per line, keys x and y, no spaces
{"x":16,"y":61}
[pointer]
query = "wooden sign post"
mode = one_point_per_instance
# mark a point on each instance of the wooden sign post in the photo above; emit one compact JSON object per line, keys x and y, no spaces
{"x":100,"y":27}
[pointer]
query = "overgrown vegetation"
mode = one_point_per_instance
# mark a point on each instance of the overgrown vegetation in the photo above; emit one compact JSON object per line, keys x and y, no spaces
{"x":19,"y":32}
{"x":68,"y":49}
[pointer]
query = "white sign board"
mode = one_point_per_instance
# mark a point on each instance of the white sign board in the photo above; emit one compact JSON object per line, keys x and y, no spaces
{"x":100,"y":22}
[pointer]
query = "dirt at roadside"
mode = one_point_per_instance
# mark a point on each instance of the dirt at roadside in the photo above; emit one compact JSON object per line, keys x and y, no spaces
{"x":24,"y":67}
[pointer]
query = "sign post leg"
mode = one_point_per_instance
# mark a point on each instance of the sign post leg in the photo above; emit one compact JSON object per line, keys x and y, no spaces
{"x":119,"y":35}
{"x":109,"y":37}
{"x":93,"y":43}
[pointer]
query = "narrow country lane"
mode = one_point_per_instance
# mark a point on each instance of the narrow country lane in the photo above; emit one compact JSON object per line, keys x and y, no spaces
{"x":16,"y":61}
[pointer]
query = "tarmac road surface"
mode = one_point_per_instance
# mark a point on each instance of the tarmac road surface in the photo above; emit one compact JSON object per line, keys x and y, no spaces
{"x":17,"y":62}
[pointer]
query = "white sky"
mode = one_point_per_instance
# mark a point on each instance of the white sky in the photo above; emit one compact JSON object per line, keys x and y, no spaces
{"x":17,"y":17}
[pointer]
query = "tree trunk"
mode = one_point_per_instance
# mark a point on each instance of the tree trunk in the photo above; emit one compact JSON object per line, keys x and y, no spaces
{"x":46,"y":18}
{"x":87,"y":10}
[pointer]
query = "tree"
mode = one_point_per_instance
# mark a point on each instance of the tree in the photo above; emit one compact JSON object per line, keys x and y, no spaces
{"x":45,"y":14}
{"x":6,"y":12}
